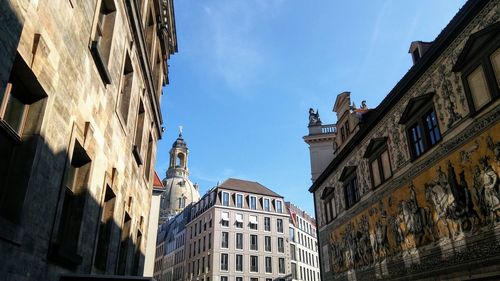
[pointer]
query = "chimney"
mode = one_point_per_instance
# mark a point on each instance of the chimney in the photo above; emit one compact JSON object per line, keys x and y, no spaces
{"x":418,"y":49}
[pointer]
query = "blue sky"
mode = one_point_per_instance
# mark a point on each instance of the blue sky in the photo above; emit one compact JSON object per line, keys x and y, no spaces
{"x":247,"y":72}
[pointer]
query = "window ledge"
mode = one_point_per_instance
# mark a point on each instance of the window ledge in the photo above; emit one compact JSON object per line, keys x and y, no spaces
{"x":137,"y":155}
{"x":99,"y":61}
{"x":11,"y":232}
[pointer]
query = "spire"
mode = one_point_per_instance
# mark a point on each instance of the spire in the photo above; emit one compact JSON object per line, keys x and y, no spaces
{"x":178,"y":158}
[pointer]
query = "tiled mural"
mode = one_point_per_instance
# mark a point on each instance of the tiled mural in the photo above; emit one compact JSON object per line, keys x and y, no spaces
{"x":458,"y":196}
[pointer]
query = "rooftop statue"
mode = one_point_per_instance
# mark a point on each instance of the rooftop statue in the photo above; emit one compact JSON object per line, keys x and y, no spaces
{"x":314,"y":119}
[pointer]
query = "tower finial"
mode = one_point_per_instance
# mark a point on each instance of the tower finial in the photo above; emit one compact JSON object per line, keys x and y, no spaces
{"x":180,"y":131}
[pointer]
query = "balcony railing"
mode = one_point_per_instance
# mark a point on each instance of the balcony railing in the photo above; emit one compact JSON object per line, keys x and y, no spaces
{"x":328,"y":129}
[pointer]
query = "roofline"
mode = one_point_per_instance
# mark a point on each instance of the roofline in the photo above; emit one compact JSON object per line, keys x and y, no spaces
{"x":442,"y":41}
{"x":252,"y":192}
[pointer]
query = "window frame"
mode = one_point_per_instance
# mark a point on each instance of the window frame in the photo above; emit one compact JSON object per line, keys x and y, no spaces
{"x":239,"y":195}
{"x":374,"y":152}
{"x":250,"y":202}
{"x":476,"y":53}
{"x":228,"y":198}
{"x":278,"y":226}
{"x":419,"y":120}
{"x":347,"y":178}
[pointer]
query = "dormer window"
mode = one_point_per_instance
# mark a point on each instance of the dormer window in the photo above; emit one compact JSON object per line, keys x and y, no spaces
{"x":351,"y":189}
{"x":479,"y":63}
{"x":380,"y":164}
{"x":225,"y":198}
{"x":422,"y":128}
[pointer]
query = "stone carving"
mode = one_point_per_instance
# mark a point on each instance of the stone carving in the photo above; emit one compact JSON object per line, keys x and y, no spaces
{"x":314,"y":119}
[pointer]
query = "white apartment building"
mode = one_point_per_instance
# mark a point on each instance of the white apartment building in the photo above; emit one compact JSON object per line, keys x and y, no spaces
{"x":303,"y":245}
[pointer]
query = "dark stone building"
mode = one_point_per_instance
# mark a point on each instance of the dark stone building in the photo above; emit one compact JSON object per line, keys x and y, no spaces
{"x":80,"y":88}
{"x":413,"y":189}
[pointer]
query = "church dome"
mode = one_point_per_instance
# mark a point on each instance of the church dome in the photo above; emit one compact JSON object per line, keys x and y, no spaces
{"x":179,"y":190}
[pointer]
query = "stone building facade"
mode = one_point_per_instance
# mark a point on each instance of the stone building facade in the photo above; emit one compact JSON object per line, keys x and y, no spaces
{"x":304,"y":258}
{"x":236,"y":231}
{"x":80,"y":88}
{"x":413,"y":189}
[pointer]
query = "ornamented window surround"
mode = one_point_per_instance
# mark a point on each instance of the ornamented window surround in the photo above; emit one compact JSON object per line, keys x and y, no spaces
{"x":415,"y":112}
{"x":374,"y":151}
{"x":347,"y":176}
{"x":476,"y":53}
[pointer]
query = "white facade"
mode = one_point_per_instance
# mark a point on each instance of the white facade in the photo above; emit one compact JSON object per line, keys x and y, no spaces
{"x":304,"y":256}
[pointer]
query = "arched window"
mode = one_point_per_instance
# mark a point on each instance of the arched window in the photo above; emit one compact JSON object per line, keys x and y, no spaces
{"x":180,"y":160}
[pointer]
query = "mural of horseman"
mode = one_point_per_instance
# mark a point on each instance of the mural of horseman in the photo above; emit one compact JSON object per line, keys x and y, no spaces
{"x":417,"y":219}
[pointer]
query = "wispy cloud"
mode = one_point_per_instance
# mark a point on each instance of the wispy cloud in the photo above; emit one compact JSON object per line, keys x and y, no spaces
{"x":374,"y":38}
{"x":235,"y":48}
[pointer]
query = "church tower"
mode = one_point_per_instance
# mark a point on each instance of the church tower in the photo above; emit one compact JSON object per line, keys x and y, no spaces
{"x":179,"y":190}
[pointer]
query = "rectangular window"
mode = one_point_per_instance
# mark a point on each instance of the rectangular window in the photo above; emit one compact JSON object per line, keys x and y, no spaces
{"x":239,"y":263}
{"x":417,"y":140}
{"x":266,"y":205}
{"x":149,"y":155}
{"x":478,"y":88}
{"x":209,"y":241}
{"x":267,"y":244}
{"x":139,"y":130}
{"x":253,"y":202}
{"x":74,"y":197}
{"x":254,"y":242}
{"x":254,"y":264}
{"x":253,"y":222}
{"x":125,"y":89}
{"x":124,"y":244}
{"x":281,"y":245}
{"x":224,"y":261}
{"x":267,"y":223}
{"x":279,"y":225}
{"x":101,"y":43}
{"x":225,"y":240}
{"x":223,"y":278}
{"x":239,"y":201}
{"x":279,"y":206}
{"x":432,"y":127}
{"x":269,"y":266}
{"x":225,"y":198}
{"x":105,"y":227}
{"x":351,"y":192}
{"x":281,"y":265}
{"x":294,"y":271}
{"x":292,"y":252}
{"x":225,"y":219}
{"x":239,"y":278}
{"x":292,"y":234}
{"x":22,"y":107}
{"x":380,"y":166}
{"x":239,"y":221}
{"x":239,"y":241}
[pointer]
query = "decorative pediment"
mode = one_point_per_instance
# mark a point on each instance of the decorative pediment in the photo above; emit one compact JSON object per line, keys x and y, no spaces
{"x":346,"y":172}
{"x":374,"y":145}
{"x":475,"y":45}
{"x":414,"y":106}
